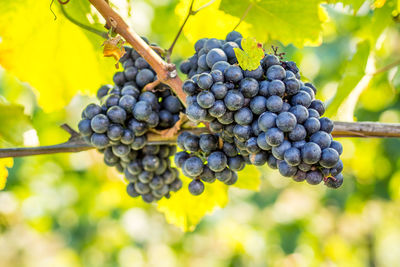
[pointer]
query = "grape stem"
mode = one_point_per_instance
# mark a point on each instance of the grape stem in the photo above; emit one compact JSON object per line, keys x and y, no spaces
{"x":166,"y":72}
{"x":77,"y":144}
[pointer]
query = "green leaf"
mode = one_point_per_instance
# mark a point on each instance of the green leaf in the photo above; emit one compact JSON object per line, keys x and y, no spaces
{"x":355,"y":4}
{"x":185,"y":210}
{"x":249,"y":58}
{"x":13,"y":123}
{"x":249,"y":178}
{"x":297,"y":22}
{"x":56,"y":57}
{"x":353,"y":73}
{"x":396,"y":81}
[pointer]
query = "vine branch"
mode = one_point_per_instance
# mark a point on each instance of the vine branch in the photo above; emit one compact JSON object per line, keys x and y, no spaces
{"x":77,"y":144}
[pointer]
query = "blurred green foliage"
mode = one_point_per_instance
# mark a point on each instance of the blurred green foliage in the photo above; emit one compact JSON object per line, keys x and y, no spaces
{"x":71,"y":210}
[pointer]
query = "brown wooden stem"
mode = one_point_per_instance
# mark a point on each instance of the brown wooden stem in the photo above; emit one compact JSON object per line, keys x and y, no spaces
{"x":76,"y":143}
{"x":166,"y":72}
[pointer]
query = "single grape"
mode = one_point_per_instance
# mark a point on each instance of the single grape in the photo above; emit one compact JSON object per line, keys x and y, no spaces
{"x":234,"y":100}
{"x":191,"y":143}
{"x":242,"y":132}
{"x":236,"y":163}
{"x":292,"y":86}
{"x":243,"y":116}
{"x":232,"y":36}
{"x":205,"y":99}
{"x":85,"y":127}
{"x":301,"y":98}
{"x":311,"y":153}
{"x":274,"y":103}
{"x":233,"y":73}
{"x":150,"y":163}
{"x":314,"y":177}
{"x":205,"y":81}
{"x":292,"y":156}
{"x":269,"y":60}
{"x":144,"y":77}
{"x":337,"y":146}
{"x":334,"y":182}
{"x":312,"y":125}
{"x":217,"y":161}
{"x":116,"y":114}
{"x":276,"y":87}
{"x":196,"y":187}
{"x":91,"y":110}
{"x":319,"y":106}
{"x":114,"y":132}
{"x":298,"y":133}
{"x":215,"y":55}
{"x":300,"y":112}
{"x":99,"y":140}
{"x":208,"y":143}
{"x":249,"y":87}
{"x":322,"y":139}
{"x":274,"y":137}
{"x":193,"y":166}
{"x":195,"y":112}
{"x":218,"y":109}
{"x":267,"y":120}
{"x":326,"y":125}
{"x":286,"y":121}
{"x":100,"y":123}
{"x":329,"y":158}
{"x":142,"y":111}
{"x":286,"y":170}
{"x":224,"y":175}
{"x":276,"y":72}
{"x":189,"y":87}
{"x":228,"y":49}
{"x":300,"y":176}
{"x":251,"y":145}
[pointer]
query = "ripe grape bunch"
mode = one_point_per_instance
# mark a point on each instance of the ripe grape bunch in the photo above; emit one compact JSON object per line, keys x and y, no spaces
{"x":208,"y":159}
{"x":118,"y":126}
{"x":267,"y":115}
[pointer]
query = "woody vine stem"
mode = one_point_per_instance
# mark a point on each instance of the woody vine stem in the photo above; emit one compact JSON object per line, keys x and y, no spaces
{"x":167,"y":74}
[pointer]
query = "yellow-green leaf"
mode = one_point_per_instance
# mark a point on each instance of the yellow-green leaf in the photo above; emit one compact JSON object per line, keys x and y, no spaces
{"x":55,"y":57}
{"x":249,"y":58}
{"x":185,"y":210}
{"x":13,"y":123}
{"x":208,"y":22}
{"x":249,"y":178}
{"x":288,"y":21}
{"x":4,"y":164}
{"x":353,"y":73}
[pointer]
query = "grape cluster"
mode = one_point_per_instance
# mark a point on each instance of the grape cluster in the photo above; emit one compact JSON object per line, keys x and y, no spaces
{"x":149,"y":172}
{"x":118,"y":126}
{"x":207,"y":158}
{"x":268,"y":114}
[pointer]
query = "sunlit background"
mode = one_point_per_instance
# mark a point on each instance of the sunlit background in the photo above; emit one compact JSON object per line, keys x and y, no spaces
{"x":71,"y":210}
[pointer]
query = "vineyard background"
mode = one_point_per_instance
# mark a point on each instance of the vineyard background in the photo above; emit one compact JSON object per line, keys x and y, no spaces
{"x":71,"y":210}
